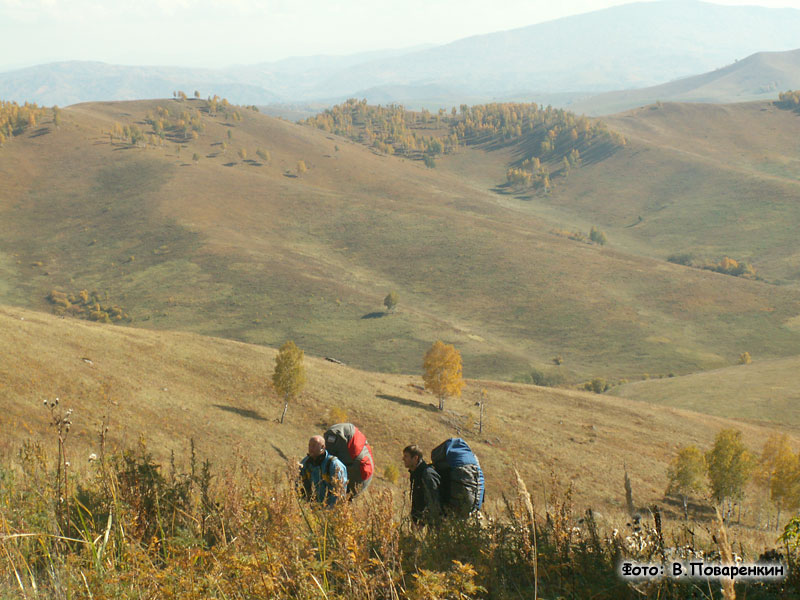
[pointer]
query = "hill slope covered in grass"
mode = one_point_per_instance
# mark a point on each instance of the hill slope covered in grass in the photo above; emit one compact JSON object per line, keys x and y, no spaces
{"x":763,"y":391}
{"x":709,"y":180}
{"x":171,"y":387}
{"x":216,"y":228}
{"x":760,"y":76}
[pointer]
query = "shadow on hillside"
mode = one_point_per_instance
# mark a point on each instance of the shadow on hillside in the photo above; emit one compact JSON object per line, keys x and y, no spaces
{"x":230,"y":164}
{"x":503,"y":188}
{"x":697,"y":511}
{"x":40,"y":132}
{"x":280,"y":452}
{"x":242,"y":412}
{"x":374,"y":315}
{"x":409,"y":402}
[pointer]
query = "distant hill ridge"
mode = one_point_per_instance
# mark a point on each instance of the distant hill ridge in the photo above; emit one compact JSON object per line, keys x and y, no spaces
{"x":628,"y":46}
{"x":760,"y":76}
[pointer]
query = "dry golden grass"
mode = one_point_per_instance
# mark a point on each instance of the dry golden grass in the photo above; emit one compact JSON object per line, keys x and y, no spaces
{"x":170,"y":387}
{"x":764,"y":391}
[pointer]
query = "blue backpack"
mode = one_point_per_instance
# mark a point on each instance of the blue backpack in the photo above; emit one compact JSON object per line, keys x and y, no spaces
{"x":462,"y":490}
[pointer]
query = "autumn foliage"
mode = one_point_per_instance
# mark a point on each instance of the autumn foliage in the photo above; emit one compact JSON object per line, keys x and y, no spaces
{"x":554,"y":135}
{"x":289,"y":376}
{"x":16,"y":118}
{"x":442,"y":375}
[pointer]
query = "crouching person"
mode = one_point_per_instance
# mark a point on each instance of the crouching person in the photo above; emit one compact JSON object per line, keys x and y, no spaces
{"x":425,"y":482}
{"x":323,"y":476}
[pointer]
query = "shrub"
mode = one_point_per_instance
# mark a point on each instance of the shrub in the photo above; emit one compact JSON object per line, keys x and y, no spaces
{"x":336,"y":414}
{"x":682,"y":258}
{"x":541,"y":378}
{"x":598,"y":385}
{"x":597,"y":236}
{"x":392,"y":474}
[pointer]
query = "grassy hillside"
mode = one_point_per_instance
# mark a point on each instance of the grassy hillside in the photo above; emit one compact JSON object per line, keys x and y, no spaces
{"x":170,"y":387}
{"x":711,"y":180}
{"x":763,"y":391}
{"x":758,"y":77}
{"x":251,"y":247}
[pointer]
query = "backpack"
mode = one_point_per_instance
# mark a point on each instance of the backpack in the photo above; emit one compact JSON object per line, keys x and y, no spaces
{"x":462,"y":489}
{"x":349,"y":445}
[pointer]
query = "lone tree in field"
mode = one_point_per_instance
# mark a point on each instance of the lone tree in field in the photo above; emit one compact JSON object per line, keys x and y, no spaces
{"x":687,"y":474}
{"x":289,"y":376}
{"x":729,"y":467}
{"x":442,"y":375}
{"x":390,"y":302}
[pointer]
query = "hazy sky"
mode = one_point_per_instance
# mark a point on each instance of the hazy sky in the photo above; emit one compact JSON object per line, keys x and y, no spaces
{"x":215,"y":33}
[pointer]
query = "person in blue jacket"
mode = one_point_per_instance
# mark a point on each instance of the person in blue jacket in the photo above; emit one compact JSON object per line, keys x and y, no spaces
{"x":323,"y":476}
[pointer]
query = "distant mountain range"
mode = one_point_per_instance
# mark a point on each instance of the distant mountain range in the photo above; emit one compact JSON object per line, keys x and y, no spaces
{"x":563,"y":61}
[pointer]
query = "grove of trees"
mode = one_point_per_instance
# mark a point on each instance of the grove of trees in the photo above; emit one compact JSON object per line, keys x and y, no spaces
{"x":789,"y":99}
{"x":728,"y":467}
{"x":550,"y":135}
{"x":16,"y":118}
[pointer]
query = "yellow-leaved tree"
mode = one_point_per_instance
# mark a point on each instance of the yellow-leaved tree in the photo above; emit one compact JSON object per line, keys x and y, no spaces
{"x":779,"y":472}
{"x":442,"y":374}
{"x":687,"y":474}
{"x":289,"y":375}
{"x":730,"y":465}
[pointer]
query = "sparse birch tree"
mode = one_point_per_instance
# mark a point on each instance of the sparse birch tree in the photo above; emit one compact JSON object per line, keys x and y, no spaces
{"x":729,"y":467}
{"x":442,"y":375}
{"x":289,"y":376}
{"x":779,"y":472}
{"x":686,"y":474}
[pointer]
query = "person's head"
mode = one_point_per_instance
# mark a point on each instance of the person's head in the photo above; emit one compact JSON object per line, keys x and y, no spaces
{"x":316,"y":446}
{"x":412,"y":456}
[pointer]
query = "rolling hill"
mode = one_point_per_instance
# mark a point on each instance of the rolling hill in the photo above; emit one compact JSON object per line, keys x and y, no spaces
{"x":170,"y":387}
{"x":251,"y":249}
{"x":764,"y":392}
{"x":707,"y":180}
{"x":193,"y":235}
{"x":758,"y":77}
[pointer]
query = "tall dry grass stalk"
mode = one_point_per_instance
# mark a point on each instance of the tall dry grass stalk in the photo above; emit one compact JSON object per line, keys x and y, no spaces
{"x":726,"y":554}
{"x":525,"y":497}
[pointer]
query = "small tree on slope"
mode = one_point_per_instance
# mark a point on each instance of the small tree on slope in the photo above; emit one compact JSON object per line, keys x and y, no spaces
{"x":289,"y":375}
{"x":442,"y":375}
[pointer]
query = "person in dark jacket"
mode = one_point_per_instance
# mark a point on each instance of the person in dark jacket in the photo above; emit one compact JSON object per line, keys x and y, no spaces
{"x":425,"y":505}
{"x":322,"y":475}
